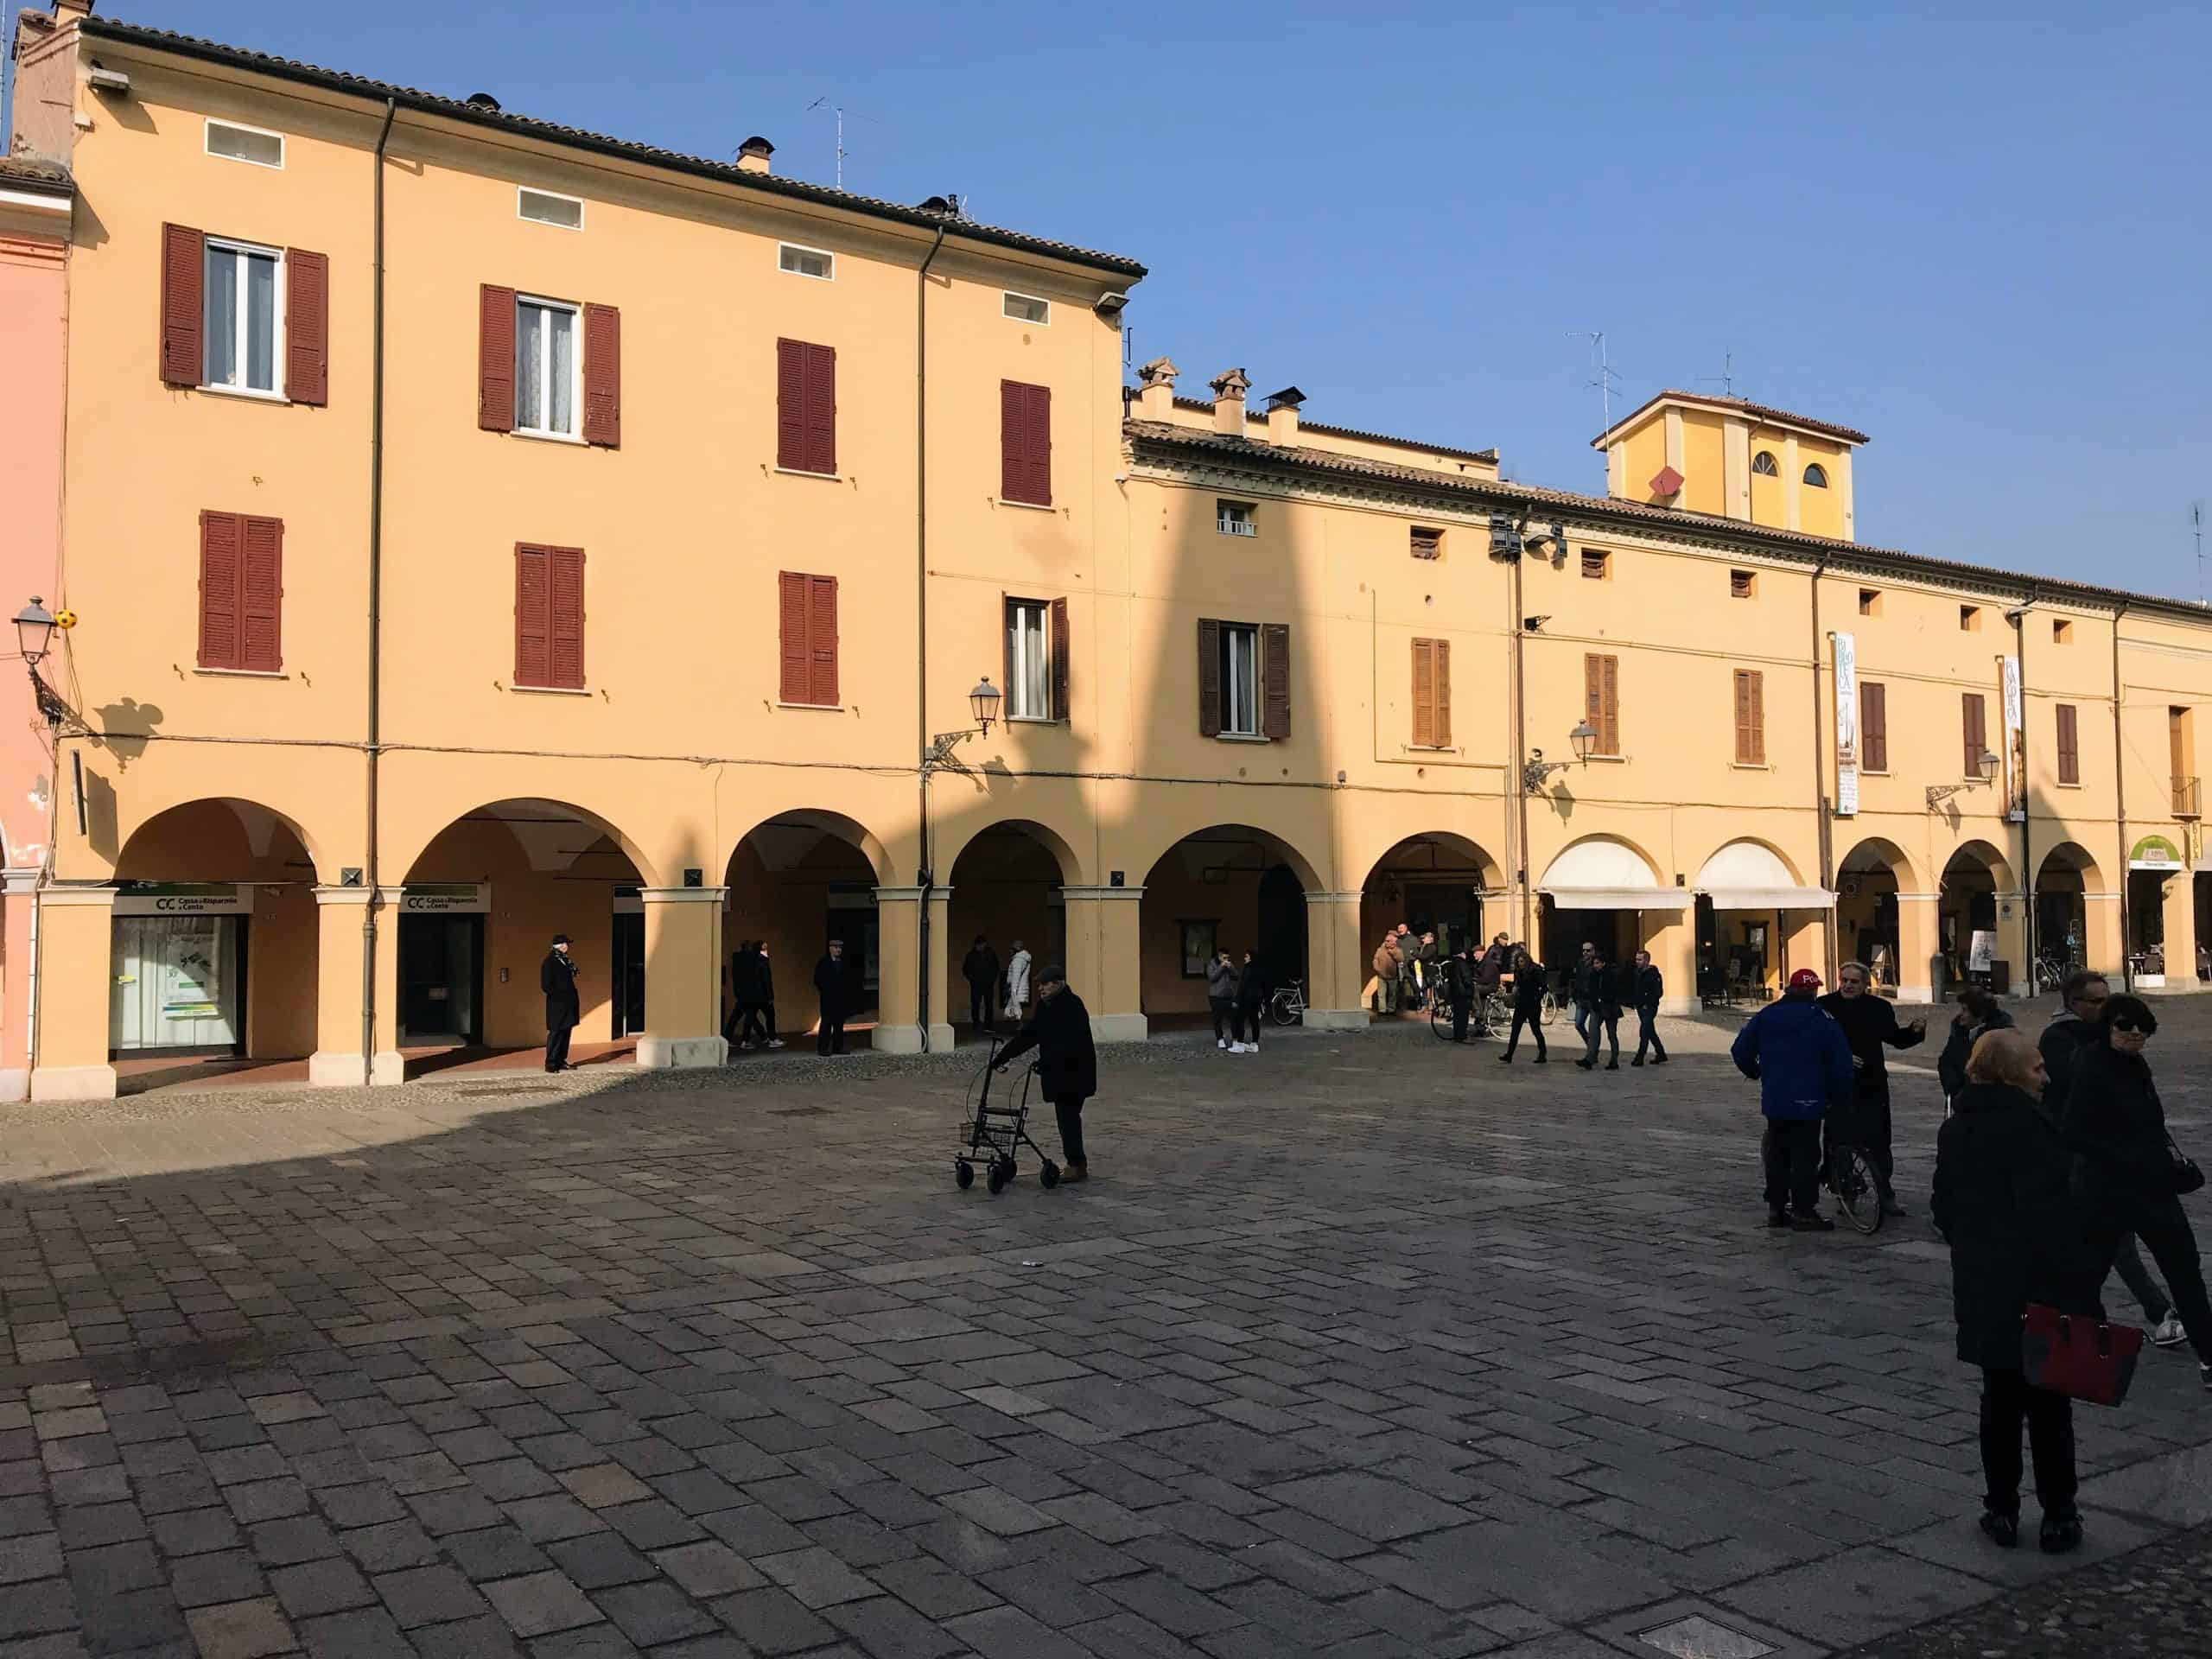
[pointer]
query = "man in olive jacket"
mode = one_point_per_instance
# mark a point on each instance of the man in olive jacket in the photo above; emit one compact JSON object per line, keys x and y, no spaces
{"x":556,"y":977}
{"x":1067,"y":1064}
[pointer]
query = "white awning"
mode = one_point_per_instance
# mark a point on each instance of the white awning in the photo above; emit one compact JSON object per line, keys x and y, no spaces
{"x":1621,"y":898}
{"x":1745,"y":875}
{"x":1770,"y":898}
{"x":1604,"y":875}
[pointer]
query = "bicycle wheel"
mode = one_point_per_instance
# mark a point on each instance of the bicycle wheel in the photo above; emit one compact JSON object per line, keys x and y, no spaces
{"x":1550,"y":1010}
{"x":1495,"y":1015}
{"x":1440,"y":1021}
{"x":1281,"y":1010}
{"x":1857,"y":1189}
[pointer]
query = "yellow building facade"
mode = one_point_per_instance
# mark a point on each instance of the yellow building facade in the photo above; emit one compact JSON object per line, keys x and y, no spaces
{"x":480,"y":529}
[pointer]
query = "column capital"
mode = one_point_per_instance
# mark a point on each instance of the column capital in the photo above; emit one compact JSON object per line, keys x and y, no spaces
{"x":910,"y":895}
{"x":90,"y":897}
{"x":345,"y":895}
{"x":683,"y":895}
{"x":20,"y":880}
{"x":1089,"y":895}
{"x":1334,"y":898}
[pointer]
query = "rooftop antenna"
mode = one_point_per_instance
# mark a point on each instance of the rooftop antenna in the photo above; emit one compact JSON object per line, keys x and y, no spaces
{"x":1605,"y":377}
{"x":2196,"y":523}
{"x":1726,"y":376}
{"x":839,"y":111}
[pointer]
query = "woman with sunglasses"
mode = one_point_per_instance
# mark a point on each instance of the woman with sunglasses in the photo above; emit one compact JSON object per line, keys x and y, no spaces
{"x":2125,"y":1167}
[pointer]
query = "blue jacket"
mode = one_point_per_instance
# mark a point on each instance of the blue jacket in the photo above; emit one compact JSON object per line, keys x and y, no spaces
{"x":1798,"y":1055}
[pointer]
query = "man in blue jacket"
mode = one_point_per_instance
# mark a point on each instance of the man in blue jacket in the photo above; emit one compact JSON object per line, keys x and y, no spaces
{"x":1800,"y":1060}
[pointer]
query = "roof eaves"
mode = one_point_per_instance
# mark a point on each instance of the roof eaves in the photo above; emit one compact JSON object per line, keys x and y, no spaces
{"x":40,"y":178}
{"x":161,"y":39}
{"x":1200,"y":406}
{"x":1764,"y":412}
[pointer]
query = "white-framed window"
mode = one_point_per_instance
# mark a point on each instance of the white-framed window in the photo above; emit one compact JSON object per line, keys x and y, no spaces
{"x":806,"y":262}
{"x":234,"y":143}
{"x":546,"y":208}
{"x":547,"y":367}
{"x":1235,"y":518}
{"x":244,"y":316}
{"x":1240,"y":679}
{"x":1026,"y":308}
{"x":1765,"y":466}
{"x":1029,"y":660}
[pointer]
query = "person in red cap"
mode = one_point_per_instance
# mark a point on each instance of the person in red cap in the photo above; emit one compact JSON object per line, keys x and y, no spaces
{"x":1798,"y":1056}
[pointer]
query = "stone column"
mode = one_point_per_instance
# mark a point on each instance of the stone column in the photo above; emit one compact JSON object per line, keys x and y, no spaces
{"x":336,"y":1062}
{"x":21,"y":887}
{"x":1805,"y":942}
{"x":2101,"y":945}
{"x":1917,"y":940}
{"x":76,"y":977}
{"x":683,"y":984}
{"x":1337,"y":968}
{"x":899,"y":981}
{"x":2012,"y":941}
{"x":2178,"y":897}
{"x":1671,"y":937}
{"x":1102,"y":964}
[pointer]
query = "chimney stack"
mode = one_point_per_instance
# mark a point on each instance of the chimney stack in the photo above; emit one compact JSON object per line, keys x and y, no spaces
{"x":753,"y":155}
{"x":1282,"y":415}
{"x":1228,"y":402}
{"x":1156,"y":390}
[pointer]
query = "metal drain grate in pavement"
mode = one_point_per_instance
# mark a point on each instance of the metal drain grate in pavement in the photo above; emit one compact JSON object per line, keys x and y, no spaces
{"x":1698,"y":1637}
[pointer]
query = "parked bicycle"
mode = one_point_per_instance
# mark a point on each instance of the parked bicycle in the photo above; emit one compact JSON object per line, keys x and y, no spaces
{"x":1287,"y":1006}
{"x":2047,"y":973}
{"x":1490,"y":1013}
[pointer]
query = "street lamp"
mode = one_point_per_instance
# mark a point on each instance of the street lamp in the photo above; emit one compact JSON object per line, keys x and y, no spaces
{"x":984,"y":702}
{"x":1536,"y":769}
{"x":34,"y":628}
{"x":1938,"y":793}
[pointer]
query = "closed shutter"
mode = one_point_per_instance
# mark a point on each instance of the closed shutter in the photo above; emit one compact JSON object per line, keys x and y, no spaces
{"x":261,"y":594}
{"x":533,"y":615}
{"x":307,"y":326}
{"x":1974,"y":732}
{"x":1025,"y":443}
{"x":221,"y":534}
{"x":1601,"y":701}
{"x":184,"y":274}
{"x":565,"y":617}
{"x":822,"y":411}
{"x":495,"y":358}
{"x":795,"y":678}
{"x":821,"y":638}
{"x":1209,"y":678}
{"x":2069,"y":745}
{"x":1274,"y":653}
{"x":1061,"y":708}
{"x":1751,"y":718}
{"x":806,"y":407}
{"x":603,"y":376}
{"x":1424,"y":694}
{"x":1442,"y":649}
{"x":1874,"y":726}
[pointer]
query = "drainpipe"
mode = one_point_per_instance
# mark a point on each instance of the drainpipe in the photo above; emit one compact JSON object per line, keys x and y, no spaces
{"x":2028,"y":883}
{"x":1520,"y":802}
{"x":1820,"y":818}
{"x":928,"y":882}
{"x":375,"y":603}
{"x":2119,"y":806}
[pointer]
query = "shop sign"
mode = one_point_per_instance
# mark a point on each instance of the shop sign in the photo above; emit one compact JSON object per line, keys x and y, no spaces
{"x":2154,"y":853}
{"x":2016,"y":749}
{"x":182,"y":898}
{"x":1847,"y":726}
{"x":445,"y":898}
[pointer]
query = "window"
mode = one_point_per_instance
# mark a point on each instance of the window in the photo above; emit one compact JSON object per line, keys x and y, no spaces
{"x":543,"y":208}
{"x":1023,"y":308}
{"x":548,"y":368}
{"x":238,"y":143}
{"x":1243,"y":679}
{"x":546,"y":390}
{"x":231,"y":310}
{"x":1240,"y":680}
{"x":243,"y":318}
{"x":241,"y":593}
{"x":1742,"y":584}
{"x":1816,"y":476}
{"x":1235,"y":518}
{"x":1432,"y":694}
{"x":1970,"y":618}
{"x":1036,"y":659}
{"x":1025,"y":443}
{"x":1751,"y":717}
{"x":1763,"y":465}
{"x":1972,"y":719}
{"x":2062,"y":632}
{"x":1427,"y":543}
{"x":549,"y":616}
{"x":1595,"y":564}
{"x":805,"y":262}
{"x":2069,"y":745}
{"x":1601,"y":702}
{"x":1201,"y":942}
{"x":806,"y":408}
{"x":1874,"y":726}
{"x":807,"y":625}
{"x":1870,"y":601}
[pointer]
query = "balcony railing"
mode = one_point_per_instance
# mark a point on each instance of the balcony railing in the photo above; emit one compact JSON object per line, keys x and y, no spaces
{"x":2186,"y":792}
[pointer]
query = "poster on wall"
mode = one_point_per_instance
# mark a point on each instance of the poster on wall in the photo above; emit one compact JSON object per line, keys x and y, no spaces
{"x":2016,"y":750}
{"x":1982,"y":952}
{"x":1847,"y":726}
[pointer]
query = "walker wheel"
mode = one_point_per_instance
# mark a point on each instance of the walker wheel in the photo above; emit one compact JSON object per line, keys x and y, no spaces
{"x":999,"y":1175}
{"x":963,"y":1174}
{"x":1049,"y":1176}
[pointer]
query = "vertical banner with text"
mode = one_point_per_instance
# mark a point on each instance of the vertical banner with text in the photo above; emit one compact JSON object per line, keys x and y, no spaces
{"x":1847,"y":726}
{"x":2016,"y":746}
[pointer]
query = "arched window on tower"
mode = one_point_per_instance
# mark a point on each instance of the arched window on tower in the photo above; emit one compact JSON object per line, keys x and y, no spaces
{"x":1763,"y":465}
{"x":1816,"y":476}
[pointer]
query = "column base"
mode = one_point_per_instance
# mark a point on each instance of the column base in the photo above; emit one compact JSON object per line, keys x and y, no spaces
{"x":1337,"y":1020}
{"x":390,"y":1067}
{"x":1120,"y":1028}
{"x":72,"y":1083}
{"x":2171,"y":984}
{"x":1915,"y":994}
{"x":907,"y":1040}
{"x":327,"y":1070}
{"x":680,"y":1054}
{"x":1677,"y":1005}
{"x":15,"y":1084}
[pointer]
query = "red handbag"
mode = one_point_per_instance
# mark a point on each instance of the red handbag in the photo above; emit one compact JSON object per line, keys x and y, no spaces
{"x":2079,"y":1356}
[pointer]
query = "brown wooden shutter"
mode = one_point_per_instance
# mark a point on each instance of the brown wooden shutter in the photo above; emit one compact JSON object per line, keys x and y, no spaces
{"x":220,"y":535}
{"x":1061,"y":666}
{"x":1750,"y":720}
{"x":603,"y":376}
{"x":184,"y":276}
{"x":795,"y":679}
{"x":1424,"y":694}
{"x":1975,"y":733}
{"x":822,"y":411}
{"x":1874,"y":726}
{"x":533,"y":615}
{"x":1039,"y":446}
{"x":495,"y":358}
{"x":564,"y":616}
{"x":790,"y":406}
{"x":1025,"y":443}
{"x":1601,"y":701}
{"x":821,"y":638}
{"x":1441,"y":649}
{"x":1010,"y":613}
{"x":2069,"y":745}
{"x":1274,"y":655}
{"x":1209,"y":678}
{"x":261,"y":594}
{"x":307,"y":326}
{"x":1759,"y":718}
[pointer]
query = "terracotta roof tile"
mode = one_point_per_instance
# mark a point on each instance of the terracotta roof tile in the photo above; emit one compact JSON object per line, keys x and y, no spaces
{"x":25,"y":172}
{"x":1761,"y":412}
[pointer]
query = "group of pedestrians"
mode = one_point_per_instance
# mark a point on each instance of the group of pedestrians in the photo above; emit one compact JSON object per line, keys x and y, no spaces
{"x":991,"y":987}
{"x":1603,"y":990}
{"x":752,"y":1021}
{"x":1237,"y":993}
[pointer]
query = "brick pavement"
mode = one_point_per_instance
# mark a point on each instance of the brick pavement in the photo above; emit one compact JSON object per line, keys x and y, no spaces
{"x":1363,"y":1347}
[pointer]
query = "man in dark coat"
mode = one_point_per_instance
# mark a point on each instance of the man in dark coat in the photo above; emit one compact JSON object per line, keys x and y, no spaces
{"x":1067,"y":1064}
{"x":1528,"y":1005}
{"x":1802,"y":1065}
{"x":1491,"y":966}
{"x":1647,"y":988}
{"x":1604,"y":990}
{"x":1459,"y":974}
{"x":1870,"y":1025}
{"x":829,"y":985}
{"x":1582,"y":987}
{"x":556,"y":977}
{"x":980,"y":968}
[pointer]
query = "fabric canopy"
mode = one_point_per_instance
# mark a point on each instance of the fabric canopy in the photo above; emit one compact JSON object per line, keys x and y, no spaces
{"x":1744,"y":875}
{"x":1603,"y":875}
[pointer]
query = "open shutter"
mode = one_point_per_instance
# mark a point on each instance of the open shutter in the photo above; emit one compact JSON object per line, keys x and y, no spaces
{"x":794,"y":682}
{"x":603,"y":376}
{"x":822,"y":411}
{"x":533,"y":618}
{"x":184,"y":273}
{"x":307,"y":326}
{"x":1441,"y":651}
{"x":1008,"y":617}
{"x":261,"y":594}
{"x":1759,"y":718}
{"x":1424,"y":694}
{"x":1610,"y":704}
{"x":1975,"y":733}
{"x":564,"y":629}
{"x":1274,"y":652}
{"x":219,"y":557}
{"x":1742,"y":681}
{"x":1209,"y":678}
{"x":2069,"y":745}
{"x":821,"y":638}
{"x":1060,"y":676}
{"x":495,"y":358}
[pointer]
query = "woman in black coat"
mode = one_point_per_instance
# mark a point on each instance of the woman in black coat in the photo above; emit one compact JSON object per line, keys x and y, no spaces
{"x":1067,"y":1062}
{"x":1979,"y":1011}
{"x":2123,"y":1173}
{"x":2002,"y":1202}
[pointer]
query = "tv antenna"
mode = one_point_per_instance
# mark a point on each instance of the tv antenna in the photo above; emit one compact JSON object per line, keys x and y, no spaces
{"x":1604,"y":379}
{"x":839,"y":111}
{"x":1726,"y":376}
{"x":2196,"y":523}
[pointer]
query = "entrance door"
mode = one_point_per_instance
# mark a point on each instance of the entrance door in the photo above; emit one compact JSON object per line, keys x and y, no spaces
{"x":629,"y":959}
{"x":440,"y":979}
{"x":179,"y":984}
{"x":1454,"y":913}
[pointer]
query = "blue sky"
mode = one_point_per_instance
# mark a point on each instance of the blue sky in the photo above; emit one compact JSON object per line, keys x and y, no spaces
{"x":1979,"y":234}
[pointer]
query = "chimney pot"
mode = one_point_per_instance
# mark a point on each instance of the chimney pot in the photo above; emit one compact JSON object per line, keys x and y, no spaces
{"x":1282,"y":415}
{"x":1156,"y":390}
{"x":753,"y":155}
{"x":1229,"y":391}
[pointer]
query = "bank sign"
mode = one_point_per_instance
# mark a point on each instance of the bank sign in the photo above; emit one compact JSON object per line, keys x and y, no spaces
{"x":445,"y":898}
{"x":182,"y":898}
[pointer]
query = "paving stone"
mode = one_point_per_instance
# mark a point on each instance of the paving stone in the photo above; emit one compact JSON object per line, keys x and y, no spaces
{"x":652,"y":1613}
{"x":539,"y":1603}
{"x":772,"y":1622}
{"x":314,"y":1587}
{"x":241,"y":1630}
{"x":707,"y":1569}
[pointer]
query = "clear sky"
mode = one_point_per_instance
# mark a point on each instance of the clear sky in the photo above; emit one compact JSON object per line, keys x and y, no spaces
{"x":1979,"y":232}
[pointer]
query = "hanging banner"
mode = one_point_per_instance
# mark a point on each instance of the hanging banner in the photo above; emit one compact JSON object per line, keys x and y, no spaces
{"x":2016,"y":746}
{"x":1847,"y":726}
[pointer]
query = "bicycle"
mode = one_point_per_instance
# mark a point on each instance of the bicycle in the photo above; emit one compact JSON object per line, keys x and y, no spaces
{"x":1486,"y":1015}
{"x":2047,"y":973}
{"x":1861,"y":1192}
{"x":1287,"y":1006}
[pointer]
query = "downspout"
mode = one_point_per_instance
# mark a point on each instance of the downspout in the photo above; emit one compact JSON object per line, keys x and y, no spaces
{"x":1821,"y":816}
{"x":928,"y":881}
{"x":375,"y":603}
{"x":2119,"y":806}
{"x":1513,"y":778}
{"x":2028,"y":883}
